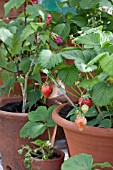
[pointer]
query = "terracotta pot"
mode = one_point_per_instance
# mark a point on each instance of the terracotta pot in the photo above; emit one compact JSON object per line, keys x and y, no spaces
{"x":10,"y":141}
{"x":52,"y":164}
{"x":13,"y":13}
{"x":92,"y":140}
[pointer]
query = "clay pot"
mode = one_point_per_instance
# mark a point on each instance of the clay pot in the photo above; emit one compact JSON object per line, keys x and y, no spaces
{"x":10,"y":141}
{"x":95,"y":141}
{"x":13,"y":13}
{"x":52,"y":164}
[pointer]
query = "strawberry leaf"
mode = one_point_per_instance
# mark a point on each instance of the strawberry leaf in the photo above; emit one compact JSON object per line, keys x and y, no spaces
{"x":78,"y":162}
{"x":106,"y":63}
{"x":68,"y":75}
{"x":32,"y":130}
{"x":62,"y":30}
{"x":48,"y":59}
{"x":102,"y":94}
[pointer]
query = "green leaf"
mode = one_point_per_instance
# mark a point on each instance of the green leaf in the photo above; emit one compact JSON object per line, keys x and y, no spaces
{"x":16,"y":46}
{"x":3,"y":59}
{"x":36,"y":25}
{"x":37,"y":10}
{"x":44,"y":38}
{"x":49,"y":120}
{"x":87,"y":4}
{"x":11,"y":4}
{"x":7,"y":77}
{"x":106,"y":63}
{"x":97,"y":58}
{"x":63,"y":3}
{"x":92,"y":112}
{"x":47,"y":59}
{"x":103,"y":165}
{"x":106,"y":4}
{"x":53,"y":45}
{"x":93,"y":122}
{"x":72,"y":54}
{"x":79,"y":20}
{"x":106,"y":114}
{"x":73,"y":3}
{"x":78,"y":162}
{"x":40,"y":114}
{"x":62,"y":30}
{"x":102,"y":94}
{"x":72,"y":112}
{"x":68,"y":75}
{"x":29,"y":30}
{"x":32,"y":130}
{"x":5,"y":34}
{"x":87,"y":83}
{"x":34,"y":96}
{"x":90,"y":39}
{"x":106,"y":123}
{"x":25,"y":64}
{"x":80,"y":64}
{"x":39,"y":142}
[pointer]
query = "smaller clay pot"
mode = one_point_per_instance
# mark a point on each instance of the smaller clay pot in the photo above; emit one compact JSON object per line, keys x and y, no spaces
{"x":52,"y":164}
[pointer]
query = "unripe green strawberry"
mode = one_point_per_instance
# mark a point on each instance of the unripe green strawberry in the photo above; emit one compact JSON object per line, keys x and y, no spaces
{"x":85,"y":108}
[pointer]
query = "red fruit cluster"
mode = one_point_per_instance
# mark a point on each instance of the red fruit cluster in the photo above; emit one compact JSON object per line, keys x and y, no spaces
{"x":48,"y":19}
{"x":47,"y":90}
{"x":30,"y":3}
{"x":85,"y":101}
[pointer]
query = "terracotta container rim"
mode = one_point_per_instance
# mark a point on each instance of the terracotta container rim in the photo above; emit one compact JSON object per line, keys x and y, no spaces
{"x":12,"y":114}
{"x":60,"y":152}
{"x":88,"y":130}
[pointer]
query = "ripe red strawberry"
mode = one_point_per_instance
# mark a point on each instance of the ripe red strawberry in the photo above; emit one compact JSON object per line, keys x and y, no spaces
{"x":80,"y":122}
{"x":87,"y":101}
{"x":47,"y":90}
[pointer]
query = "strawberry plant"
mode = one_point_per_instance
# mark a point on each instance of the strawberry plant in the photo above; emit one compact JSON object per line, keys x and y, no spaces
{"x":21,"y":42}
{"x":91,"y":73}
{"x":39,"y":121}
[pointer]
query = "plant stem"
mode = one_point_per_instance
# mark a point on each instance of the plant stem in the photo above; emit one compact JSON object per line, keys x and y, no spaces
{"x":25,"y":85}
{"x":69,"y":92}
{"x":61,"y":89}
{"x":7,"y":70}
{"x":100,"y":112}
{"x":61,"y":11}
{"x":11,"y":57}
{"x":49,"y":136}
{"x":75,"y":90}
